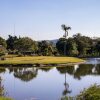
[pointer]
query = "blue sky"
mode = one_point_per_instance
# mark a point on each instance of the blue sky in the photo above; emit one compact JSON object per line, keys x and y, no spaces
{"x":42,"y":19}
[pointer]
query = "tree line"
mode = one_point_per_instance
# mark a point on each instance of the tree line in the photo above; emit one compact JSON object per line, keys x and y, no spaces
{"x":77,"y":45}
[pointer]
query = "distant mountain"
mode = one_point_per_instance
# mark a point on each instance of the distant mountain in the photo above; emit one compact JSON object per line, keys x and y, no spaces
{"x":51,"y":41}
{"x":54,"y":41}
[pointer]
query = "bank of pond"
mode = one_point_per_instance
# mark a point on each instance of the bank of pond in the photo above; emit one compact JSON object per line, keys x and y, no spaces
{"x":39,"y":61}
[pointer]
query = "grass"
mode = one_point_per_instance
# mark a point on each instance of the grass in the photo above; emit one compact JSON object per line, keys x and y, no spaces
{"x":41,"y":60}
{"x":3,"y":98}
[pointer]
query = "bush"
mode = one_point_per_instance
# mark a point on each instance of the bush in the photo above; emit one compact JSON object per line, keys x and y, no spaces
{"x":92,"y":93}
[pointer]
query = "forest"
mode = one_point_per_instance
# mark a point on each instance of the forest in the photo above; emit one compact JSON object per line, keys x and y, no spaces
{"x":77,"y":46}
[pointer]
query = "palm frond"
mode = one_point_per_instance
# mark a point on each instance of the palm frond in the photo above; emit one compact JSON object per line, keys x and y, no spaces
{"x":65,"y":28}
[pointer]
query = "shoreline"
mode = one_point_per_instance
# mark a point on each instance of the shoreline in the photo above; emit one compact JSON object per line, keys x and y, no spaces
{"x":40,"y":65}
{"x":40,"y":61}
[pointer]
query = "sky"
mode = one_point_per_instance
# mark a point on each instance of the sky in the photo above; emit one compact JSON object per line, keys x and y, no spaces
{"x":42,"y":19}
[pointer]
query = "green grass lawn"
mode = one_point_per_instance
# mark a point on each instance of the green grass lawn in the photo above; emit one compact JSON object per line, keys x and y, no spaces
{"x":41,"y":60}
{"x":3,"y":98}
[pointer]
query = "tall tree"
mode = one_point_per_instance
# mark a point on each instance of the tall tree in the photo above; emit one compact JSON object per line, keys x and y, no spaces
{"x":84,"y":44}
{"x":65,"y":28}
{"x":98,"y":47}
{"x":10,"y":42}
{"x":71,"y":46}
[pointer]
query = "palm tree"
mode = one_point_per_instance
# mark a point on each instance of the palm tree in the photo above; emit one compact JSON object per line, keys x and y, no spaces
{"x":65,"y":28}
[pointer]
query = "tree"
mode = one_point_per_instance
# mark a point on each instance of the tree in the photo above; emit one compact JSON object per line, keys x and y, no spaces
{"x":25,"y":45}
{"x":3,"y":46}
{"x":84,"y":44}
{"x":60,"y":45}
{"x":71,"y":46}
{"x":46,"y":48}
{"x":98,"y":47}
{"x":3,"y":42}
{"x":65,"y":28}
{"x":11,"y":42}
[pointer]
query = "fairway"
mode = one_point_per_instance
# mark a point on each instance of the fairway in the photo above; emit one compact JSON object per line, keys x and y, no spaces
{"x":40,"y":60}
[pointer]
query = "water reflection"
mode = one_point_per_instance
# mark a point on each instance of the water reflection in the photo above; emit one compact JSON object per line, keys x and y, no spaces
{"x":2,"y":90}
{"x":66,"y":90}
{"x":68,"y":73}
{"x":80,"y":70}
{"x":77,"y":71}
{"x":25,"y":74}
{"x":2,"y":93}
{"x":46,"y":69}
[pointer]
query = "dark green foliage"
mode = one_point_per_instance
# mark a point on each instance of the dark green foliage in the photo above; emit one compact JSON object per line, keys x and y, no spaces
{"x":3,"y":42}
{"x":3,"y":46}
{"x":46,"y":49}
{"x":25,"y":45}
{"x":60,"y":45}
{"x":2,"y":51}
{"x":92,"y":93}
{"x":84,"y":44}
{"x":79,"y":45}
{"x":11,"y":42}
{"x":98,"y":47}
{"x":71,"y":47}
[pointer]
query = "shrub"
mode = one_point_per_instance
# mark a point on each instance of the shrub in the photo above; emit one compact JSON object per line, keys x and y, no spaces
{"x":92,"y":93}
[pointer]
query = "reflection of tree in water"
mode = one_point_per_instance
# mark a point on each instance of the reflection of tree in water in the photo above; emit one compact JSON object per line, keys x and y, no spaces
{"x":64,"y":70}
{"x":2,"y":70}
{"x":46,"y":69}
{"x":87,"y":69}
{"x":26,"y":74}
{"x":66,"y":90}
{"x":97,"y":69}
{"x":14,"y":69}
{"x":3,"y":92}
{"x":83,"y":70}
{"x":67,"y":69}
{"x":1,"y":88}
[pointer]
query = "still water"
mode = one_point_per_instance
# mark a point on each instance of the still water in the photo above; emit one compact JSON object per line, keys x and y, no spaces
{"x":49,"y":83}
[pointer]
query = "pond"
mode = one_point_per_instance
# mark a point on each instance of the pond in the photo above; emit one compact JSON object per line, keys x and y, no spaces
{"x":49,"y":83}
